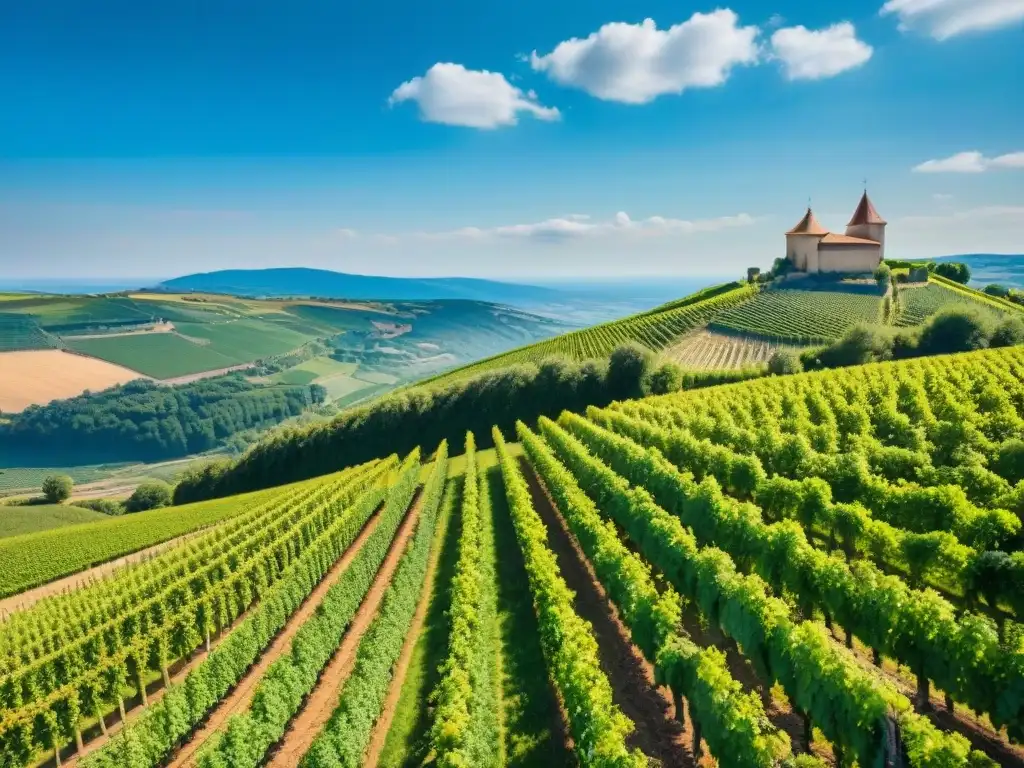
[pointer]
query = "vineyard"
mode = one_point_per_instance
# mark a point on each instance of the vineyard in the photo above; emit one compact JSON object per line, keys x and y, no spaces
{"x":917,"y":304}
{"x":801,"y":316}
{"x":813,"y":570}
{"x":655,"y":329}
{"x":23,"y":332}
{"x":707,"y":350}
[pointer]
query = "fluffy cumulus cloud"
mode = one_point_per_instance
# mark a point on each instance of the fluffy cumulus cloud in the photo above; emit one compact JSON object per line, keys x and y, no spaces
{"x":575,"y":226}
{"x":636,"y":63}
{"x":943,"y":19}
{"x":808,"y":54}
{"x":454,"y":95}
{"x":971,"y":162}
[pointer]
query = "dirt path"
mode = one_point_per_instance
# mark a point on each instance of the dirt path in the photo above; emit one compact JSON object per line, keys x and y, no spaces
{"x":320,"y":703}
{"x":380,"y":730}
{"x":241,"y":696}
{"x":151,"y":329}
{"x":658,"y":733}
{"x":179,"y":671}
{"x":189,"y":378}
{"x":30,"y":597}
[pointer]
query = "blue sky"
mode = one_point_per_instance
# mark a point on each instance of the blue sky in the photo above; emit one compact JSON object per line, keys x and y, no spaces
{"x":517,"y":139}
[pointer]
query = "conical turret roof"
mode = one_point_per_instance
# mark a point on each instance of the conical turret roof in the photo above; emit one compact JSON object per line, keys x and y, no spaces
{"x":865,"y":213}
{"x":808,"y":225}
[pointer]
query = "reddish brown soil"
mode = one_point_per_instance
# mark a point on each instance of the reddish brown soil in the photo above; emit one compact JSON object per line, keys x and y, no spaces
{"x":383,"y":724}
{"x":320,"y":703}
{"x":241,"y":696}
{"x":180,"y":669}
{"x":658,"y":733}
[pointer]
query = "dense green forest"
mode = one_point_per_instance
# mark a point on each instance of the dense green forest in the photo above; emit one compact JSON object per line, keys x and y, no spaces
{"x":146,"y":420}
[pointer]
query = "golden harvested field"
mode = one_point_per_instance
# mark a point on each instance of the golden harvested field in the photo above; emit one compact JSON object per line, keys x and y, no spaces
{"x":35,"y":377}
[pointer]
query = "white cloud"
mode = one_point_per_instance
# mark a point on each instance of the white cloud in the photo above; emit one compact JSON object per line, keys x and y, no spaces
{"x":943,"y":19}
{"x":809,"y":54}
{"x":576,"y":226}
{"x":1012,"y":160}
{"x":454,"y":95}
{"x":970,"y":162}
{"x":636,"y":63}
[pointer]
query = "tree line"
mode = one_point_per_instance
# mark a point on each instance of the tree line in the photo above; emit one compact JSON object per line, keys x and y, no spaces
{"x":423,"y":417}
{"x":146,"y":420}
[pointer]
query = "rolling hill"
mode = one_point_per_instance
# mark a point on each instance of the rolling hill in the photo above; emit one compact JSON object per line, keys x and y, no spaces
{"x":323,"y":283}
{"x":737,"y":325}
{"x":177,"y":338}
{"x":791,"y":556}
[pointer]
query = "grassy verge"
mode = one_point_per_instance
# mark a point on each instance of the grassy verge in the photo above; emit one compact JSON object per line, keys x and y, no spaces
{"x":408,"y":742}
{"x":530,"y":713}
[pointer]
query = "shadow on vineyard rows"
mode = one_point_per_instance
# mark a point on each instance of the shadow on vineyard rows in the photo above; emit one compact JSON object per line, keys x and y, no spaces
{"x":658,"y":733}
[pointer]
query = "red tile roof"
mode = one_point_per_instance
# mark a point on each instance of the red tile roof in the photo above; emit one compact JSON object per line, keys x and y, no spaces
{"x":833,"y":239}
{"x":865,"y":213}
{"x":808,"y":225}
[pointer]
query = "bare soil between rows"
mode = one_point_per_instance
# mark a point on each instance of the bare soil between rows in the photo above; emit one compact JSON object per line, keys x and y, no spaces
{"x":241,"y":695}
{"x":155,"y":690}
{"x":658,"y":733}
{"x":380,"y":730}
{"x":320,"y":703}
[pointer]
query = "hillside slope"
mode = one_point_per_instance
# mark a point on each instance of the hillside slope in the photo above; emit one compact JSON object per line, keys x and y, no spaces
{"x":340,"y":285}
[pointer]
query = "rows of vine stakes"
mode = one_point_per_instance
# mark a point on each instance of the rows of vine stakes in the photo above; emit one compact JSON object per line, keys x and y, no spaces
{"x":850,"y":532}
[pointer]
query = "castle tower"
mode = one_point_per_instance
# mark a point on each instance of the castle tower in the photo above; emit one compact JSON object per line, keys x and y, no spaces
{"x":867,"y":224}
{"x":802,"y":243}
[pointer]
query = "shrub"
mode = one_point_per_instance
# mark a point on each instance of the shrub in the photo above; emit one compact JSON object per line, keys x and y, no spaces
{"x":627,"y":368}
{"x":1008,"y":333}
{"x":110,"y":507}
{"x":57,"y":488}
{"x":955,"y":271}
{"x":149,"y":496}
{"x":861,"y":344}
{"x":882,"y":275}
{"x":955,"y":330}
{"x":784,"y":362}
{"x":995,"y":289}
{"x":667,"y":377}
{"x":918,"y":274}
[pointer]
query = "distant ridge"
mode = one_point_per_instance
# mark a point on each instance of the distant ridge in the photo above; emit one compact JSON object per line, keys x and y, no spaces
{"x":300,"y":281}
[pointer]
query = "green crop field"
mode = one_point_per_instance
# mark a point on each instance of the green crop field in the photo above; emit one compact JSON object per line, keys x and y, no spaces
{"x":244,"y":340}
{"x":15,"y":521}
{"x":31,"y":478}
{"x":19,"y":331}
{"x":801,"y":316}
{"x":160,"y":355}
{"x":376,"y":377}
{"x":310,"y":370}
